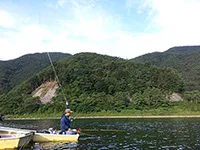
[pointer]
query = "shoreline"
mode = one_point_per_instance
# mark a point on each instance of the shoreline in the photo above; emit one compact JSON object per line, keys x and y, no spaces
{"x":112,"y":117}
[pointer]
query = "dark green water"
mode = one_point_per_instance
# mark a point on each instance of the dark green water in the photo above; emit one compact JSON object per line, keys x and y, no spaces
{"x":140,"y":134}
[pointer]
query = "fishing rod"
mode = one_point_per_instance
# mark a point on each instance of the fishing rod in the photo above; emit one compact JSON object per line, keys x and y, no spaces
{"x":102,"y":130}
{"x":56,"y":76}
{"x":97,"y":130}
{"x":82,"y":133}
{"x":59,"y":84}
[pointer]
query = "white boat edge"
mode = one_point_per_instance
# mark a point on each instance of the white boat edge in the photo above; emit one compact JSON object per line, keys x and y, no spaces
{"x":12,"y":141}
{"x":42,"y":137}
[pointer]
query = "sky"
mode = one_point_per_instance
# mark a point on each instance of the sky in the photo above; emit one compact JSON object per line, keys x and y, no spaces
{"x":122,"y":28}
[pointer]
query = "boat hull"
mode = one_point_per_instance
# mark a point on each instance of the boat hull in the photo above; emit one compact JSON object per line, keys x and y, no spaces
{"x":43,"y":137}
{"x":12,"y":141}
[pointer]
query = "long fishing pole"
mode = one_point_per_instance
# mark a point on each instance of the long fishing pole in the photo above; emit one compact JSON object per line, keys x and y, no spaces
{"x":58,"y":82}
{"x":102,"y":130}
{"x":56,"y":76}
{"x":97,"y":130}
{"x":83,"y":133}
{"x":57,"y":79}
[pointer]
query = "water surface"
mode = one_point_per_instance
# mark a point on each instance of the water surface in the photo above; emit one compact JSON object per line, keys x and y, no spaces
{"x":127,"y":134}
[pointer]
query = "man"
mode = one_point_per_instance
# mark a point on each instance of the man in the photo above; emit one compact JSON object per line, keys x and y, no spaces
{"x":65,"y":122}
{"x":67,"y":105}
{"x":1,"y":117}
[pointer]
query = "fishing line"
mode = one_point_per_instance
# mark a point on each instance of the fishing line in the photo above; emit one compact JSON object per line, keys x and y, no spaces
{"x":57,"y":79}
{"x":56,"y":76}
{"x":54,"y":70}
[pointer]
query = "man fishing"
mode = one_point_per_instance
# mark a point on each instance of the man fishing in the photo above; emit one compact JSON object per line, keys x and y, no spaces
{"x":65,"y":122}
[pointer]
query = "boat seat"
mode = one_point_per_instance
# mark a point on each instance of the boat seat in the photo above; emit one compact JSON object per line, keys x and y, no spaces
{"x":43,"y":131}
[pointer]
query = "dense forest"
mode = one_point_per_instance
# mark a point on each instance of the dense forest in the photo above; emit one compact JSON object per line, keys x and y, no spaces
{"x":183,"y":59}
{"x":94,"y":83}
{"x":15,"y":71}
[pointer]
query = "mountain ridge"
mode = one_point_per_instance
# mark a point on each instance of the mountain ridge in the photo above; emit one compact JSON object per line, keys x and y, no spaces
{"x":184,"y":59}
{"x":15,"y":71}
{"x":92,"y":82}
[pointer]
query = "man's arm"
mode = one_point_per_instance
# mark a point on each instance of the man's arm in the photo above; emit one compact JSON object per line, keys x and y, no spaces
{"x":67,"y":105}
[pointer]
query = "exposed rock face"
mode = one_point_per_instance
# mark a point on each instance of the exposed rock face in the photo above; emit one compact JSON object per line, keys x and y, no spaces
{"x":174,"y":97}
{"x":46,"y":91}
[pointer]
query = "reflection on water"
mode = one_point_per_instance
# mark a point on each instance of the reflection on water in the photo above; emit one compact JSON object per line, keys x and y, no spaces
{"x":135,"y":133}
{"x":53,"y":146}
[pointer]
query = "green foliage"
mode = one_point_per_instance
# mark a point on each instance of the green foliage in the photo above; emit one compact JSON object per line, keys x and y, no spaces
{"x":183,"y":59}
{"x":192,"y":96}
{"x":93,"y":83}
{"x":150,"y":98}
{"x":15,"y":71}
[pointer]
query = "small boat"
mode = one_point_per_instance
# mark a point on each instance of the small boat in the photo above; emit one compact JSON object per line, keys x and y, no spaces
{"x":45,"y":137}
{"x":8,"y":130}
{"x":42,"y":137}
{"x":12,"y":141}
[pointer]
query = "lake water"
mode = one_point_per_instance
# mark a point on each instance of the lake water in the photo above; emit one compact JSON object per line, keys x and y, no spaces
{"x":126,"y":134}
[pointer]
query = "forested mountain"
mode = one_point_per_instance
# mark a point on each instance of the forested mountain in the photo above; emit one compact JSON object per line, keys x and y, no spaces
{"x":93,"y":82}
{"x":17,"y":70}
{"x":184,"y":59}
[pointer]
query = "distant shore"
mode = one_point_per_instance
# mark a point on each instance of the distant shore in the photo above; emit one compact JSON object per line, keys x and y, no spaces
{"x":93,"y":117}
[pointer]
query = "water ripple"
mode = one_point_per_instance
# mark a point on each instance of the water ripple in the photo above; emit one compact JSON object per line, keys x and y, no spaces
{"x":140,"y":134}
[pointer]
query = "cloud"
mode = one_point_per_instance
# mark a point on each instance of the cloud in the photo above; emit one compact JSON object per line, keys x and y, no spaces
{"x":88,"y":26}
{"x":6,"y":20}
{"x":176,"y":19}
{"x":170,"y":23}
{"x":61,"y":2}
